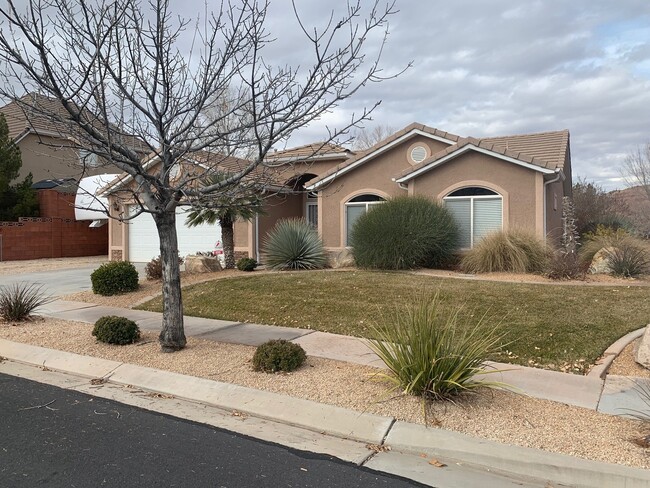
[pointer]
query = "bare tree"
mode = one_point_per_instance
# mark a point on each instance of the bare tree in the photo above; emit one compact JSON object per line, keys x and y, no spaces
{"x":636,"y":169}
{"x":119,"y":69}
{"x":365,"y":138}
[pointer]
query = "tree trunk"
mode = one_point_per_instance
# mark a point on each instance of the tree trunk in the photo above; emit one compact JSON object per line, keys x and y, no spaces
{"x":228,"y":237}
{"x":172,"y":335}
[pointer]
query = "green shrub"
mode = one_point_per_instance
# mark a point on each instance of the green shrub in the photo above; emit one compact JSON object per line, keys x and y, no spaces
{"x":19,"y":300}
{"x":246,"y":264}
{"x":116,"y":330}
{"x":278,"y":355}
{"x":114,"y":277}
{"x":294,"y":244}
{"x":430,"y":355}
{"x":404,"y":233}
{"x":514,"y":251}
{"x":153,"y":269}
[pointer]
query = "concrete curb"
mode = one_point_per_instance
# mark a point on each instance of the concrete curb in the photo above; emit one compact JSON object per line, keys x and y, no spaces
{"x":535,"y":463}
{"x":338,"y":422}
{"x":329,"y":419}
{"x":603,"y":364}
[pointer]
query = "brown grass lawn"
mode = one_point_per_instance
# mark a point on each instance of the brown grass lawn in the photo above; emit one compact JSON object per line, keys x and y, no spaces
{"x":563,"y":327}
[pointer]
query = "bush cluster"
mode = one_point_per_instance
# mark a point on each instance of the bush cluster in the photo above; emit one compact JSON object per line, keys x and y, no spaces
{"x":626,"y":255}
{"x":114,"y":277}
{"x":18,"y":301}
{"x":404,"y":233}
{"x":153,"y":269}
{"x":294,"y":244}
{"x":514,"y":251}
{"x":116,"y":330}
{"x":430,"y":354}
{"x":246,"y":264}
{"x":278,"y":355}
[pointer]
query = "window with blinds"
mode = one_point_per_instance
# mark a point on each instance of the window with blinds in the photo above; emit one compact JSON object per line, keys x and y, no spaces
{"x":477,"y":211}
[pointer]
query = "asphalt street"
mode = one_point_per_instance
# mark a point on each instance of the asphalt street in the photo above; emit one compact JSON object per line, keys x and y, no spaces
{"x":61,"y":438}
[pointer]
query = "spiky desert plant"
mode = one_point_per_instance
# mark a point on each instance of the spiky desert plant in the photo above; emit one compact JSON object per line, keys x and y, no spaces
{"x":430,"y":354}
{"x":19,"y":300}
{"x":293,"y":244}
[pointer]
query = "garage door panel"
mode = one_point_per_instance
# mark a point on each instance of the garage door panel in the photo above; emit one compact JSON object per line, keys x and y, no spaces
{"x":144,"y":244}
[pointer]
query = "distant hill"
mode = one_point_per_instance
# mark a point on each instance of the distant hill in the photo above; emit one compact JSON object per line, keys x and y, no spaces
{"x":635,"y":206}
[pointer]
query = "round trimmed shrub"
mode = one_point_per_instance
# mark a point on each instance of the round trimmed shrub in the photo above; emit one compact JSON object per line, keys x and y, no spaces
{"x":114,"y":277}
{"x":404,"y":233}
{"x":294,"y":244}
{"x":278,"y":355}
{"x":116,"y":330}
{"x":246,"y":264}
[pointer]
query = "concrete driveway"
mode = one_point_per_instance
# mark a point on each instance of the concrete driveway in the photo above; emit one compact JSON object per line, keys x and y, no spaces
{"x":60,"y":281}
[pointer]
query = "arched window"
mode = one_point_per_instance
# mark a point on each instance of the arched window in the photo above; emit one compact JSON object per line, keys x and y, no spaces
{"x":355,"y":208}
{"x":477,"y":211}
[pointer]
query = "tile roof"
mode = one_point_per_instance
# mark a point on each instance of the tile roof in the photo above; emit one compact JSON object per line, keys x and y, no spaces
{"x":547,"y":150}
{"x":381,"y":144}
{"x":29,"y":114}
{"x":308,"y":151}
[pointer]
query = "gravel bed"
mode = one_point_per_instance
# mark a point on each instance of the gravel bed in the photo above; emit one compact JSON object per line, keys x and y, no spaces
{"x":34,"y":265}
{"x":625,"y":365}
{"x":496,"y":415}
{"x":147,"y":290}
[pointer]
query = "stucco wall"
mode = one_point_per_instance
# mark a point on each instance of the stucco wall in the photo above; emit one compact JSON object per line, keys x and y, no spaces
{"x":521,"y":188}
{"x":48,"y":158}
{"x":279,"y":207}
{"x":375,"y":177}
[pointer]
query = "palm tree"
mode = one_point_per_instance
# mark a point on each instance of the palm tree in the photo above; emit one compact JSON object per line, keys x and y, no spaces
{"x":226,"y":209}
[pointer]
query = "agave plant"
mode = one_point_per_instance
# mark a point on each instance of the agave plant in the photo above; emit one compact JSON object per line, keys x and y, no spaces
{"x":294,"y":244}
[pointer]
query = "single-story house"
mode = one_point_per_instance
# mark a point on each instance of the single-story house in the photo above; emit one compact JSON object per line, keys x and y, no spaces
{"x":488,"y":184}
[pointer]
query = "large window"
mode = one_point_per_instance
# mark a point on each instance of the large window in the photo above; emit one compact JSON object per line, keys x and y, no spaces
{"x":355,"y":208}
{"x":477,"y":211}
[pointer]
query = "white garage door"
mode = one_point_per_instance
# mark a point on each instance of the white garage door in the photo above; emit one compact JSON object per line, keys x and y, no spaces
{"x":144,"y":244}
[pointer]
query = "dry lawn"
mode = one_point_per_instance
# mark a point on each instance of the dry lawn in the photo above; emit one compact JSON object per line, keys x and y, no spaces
{"x":496,"y":415}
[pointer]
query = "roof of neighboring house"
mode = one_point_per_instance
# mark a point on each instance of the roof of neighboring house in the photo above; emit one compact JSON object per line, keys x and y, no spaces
{"x":27,"y":115}
{"x":316,"y":150}
{"x":544,"y":152}
{"x":361,"y":157}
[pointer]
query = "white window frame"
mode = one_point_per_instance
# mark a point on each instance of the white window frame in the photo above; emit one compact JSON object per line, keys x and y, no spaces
{"x":311,"y":202}
{"x":367,"y":206}
{"x":88,"y":159}
{"x":471,"y":199}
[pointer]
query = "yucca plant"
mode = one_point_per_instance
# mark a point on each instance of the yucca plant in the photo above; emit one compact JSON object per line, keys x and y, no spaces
{"x":430,"y":354}
{"x":628,"y":260}
{"x":18,"y":301}
{"x":294,"y":244}
{"x":514,"y":251}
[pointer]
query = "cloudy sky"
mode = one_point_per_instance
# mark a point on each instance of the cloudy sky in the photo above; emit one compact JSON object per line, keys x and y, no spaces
{"x":500,"y":67}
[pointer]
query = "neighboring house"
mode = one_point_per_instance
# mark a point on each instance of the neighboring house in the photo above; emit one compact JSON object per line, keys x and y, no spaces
{"x":45,"y":145}
{"x":488,"y":184}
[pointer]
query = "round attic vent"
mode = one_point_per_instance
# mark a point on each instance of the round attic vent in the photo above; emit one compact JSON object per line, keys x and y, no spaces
{"x":418,"y":154}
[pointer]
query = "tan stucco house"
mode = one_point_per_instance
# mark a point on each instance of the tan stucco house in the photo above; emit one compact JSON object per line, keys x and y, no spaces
{"x":46,"y":147}
{"x":488,"y":184}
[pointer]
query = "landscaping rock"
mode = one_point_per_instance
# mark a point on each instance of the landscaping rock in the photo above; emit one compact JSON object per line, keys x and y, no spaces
{"x":642,"y":353}
{"x":600,"y":262}
{"x":201,"y":264}
{"x":342,"y":259}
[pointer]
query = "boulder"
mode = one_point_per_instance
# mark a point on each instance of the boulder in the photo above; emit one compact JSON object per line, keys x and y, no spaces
{"x":642,"y":353}
{"x":342,"y":259}
{"x":202,"y":264}
{"x":600,"y":262}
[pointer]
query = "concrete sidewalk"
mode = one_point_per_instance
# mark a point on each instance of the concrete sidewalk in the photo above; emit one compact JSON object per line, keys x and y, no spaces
{"x":581,"y":391}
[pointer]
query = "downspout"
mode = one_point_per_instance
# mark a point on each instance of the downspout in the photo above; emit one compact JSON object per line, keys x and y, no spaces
{"x":256,"y":237}
{"x":560,"y":175}
{"x":403,"y":186}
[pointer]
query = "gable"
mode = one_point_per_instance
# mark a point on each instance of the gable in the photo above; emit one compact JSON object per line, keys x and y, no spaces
{"x":432,"y":139}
